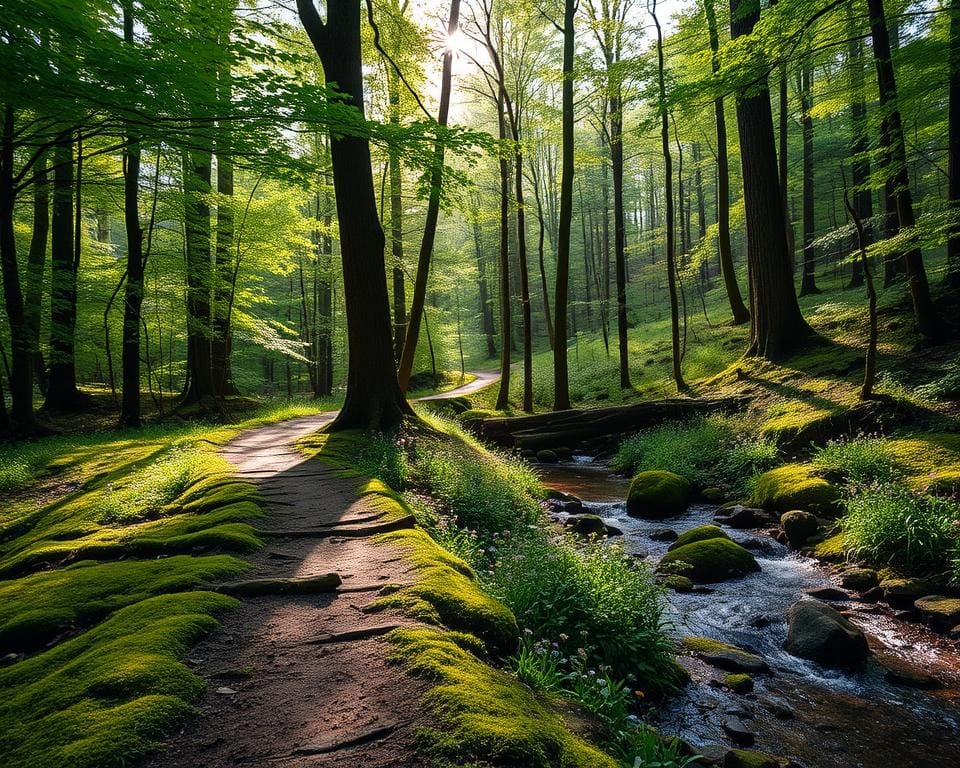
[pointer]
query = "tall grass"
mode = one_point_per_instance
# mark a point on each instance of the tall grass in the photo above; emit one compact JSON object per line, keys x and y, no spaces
{"x":858,"y":459}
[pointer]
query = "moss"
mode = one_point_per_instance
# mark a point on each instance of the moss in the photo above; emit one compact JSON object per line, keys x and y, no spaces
{"x":738,"y":682}
{"x":658,"y":493}
{"x":799,"y":419}
{"x":34,"y":609}
{"x":700,"y":533}
{"x":712,"y":560}
{"x":478,"y":414}
{"x":446,"y":591}
{"x":745,"y":758}
{"x":930,"y":461}
{"x":794,"y":486}
{"x":547,"y":456}
{"x":831,"y":549}
{"x":107,"y":696}
{"x":677,"y":583}
{"x":722,"y":655}
{"x":484,"y":715}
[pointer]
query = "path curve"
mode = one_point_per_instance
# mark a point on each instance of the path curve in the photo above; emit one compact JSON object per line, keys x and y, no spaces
{"x":275,"y":695}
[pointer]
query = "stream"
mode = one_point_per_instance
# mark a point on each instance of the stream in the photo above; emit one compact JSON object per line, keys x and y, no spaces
{"x":818,"y":717}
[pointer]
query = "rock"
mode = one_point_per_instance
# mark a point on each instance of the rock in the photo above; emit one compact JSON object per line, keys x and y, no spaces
{"x":555,"y":493}
{"x":902,"y":592}
{"x":700,"y":533}
{"x":942,"y":612}
{"x":724,"y":656}
{"x":741,"y":517}
{"x":819,"y":633}
{"x":744,"y":758}
{"x":954,"y":634}
{"x":664,"y":534}
{"x":9,"y":658}
{"x":760,"y":621}
{"x":738,"y":682}
{"x":799,"y":527}
{"x":590,"y":525}
{"x":657,"y":494}
{"x":225,"y":691}
{"x":859,"y":579}
{"x":563,"y":452}
{"x":829,"y":594}
{"x":872,"y":595}
{"x":713,"y":495}
{"x":546,"y":456}
{"x":778,"y":707}
{"x":711,"y":754}
{"x":738,"y":732}
{"x":756,"y":545}
{"x":677,"y":583}
{"x":910,"y":678}
{"x":711,"y":560}
{"x":794,"y":486}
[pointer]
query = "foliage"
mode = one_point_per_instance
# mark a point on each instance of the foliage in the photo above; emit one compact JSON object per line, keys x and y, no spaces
{"x":858,"y":459}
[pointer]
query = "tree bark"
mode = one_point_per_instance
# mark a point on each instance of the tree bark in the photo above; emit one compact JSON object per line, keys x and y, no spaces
{"x":859,"y":156}
{"x":196,"y":188}
{"x":808,"y":283}
{"x":737,"y":308}
{"x":506,"y":337}
{"x":619,"y":233}
{"x":953,"y":141}
{"x":778,"y":328}
{"x":894,"y":157}
{"x":486,"y":311}
{"x":374,"y":400}
{"x":561,"y":391}
{"x":396,"y":226}
{"x":36,"y":266}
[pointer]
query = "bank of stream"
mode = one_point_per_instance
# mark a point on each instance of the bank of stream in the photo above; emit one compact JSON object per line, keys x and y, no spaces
{"x":818,"y":717}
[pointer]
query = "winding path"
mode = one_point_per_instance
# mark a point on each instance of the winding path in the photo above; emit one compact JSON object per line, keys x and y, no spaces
{"x":303,"y":680}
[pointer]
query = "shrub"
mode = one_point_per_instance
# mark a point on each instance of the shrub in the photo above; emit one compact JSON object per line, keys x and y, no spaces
{"x":593,"y":593}
{"x":894,"y":525}
{"x":686,"y":448}
{"x":859,"y":459}
{"x":743,"y":460}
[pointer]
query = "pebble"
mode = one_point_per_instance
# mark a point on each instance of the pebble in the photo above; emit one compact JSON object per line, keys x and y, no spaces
{"x":225,"y":691}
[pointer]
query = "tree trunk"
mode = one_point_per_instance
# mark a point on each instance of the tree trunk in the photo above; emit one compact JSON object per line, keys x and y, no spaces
{"x":668,"y":194}
{"x":396,"y":226}
{"x":859,"y":156}
{"x":36,"y":265}
{"x":894,"y":157}
{"x":619,"y":234}
{"x":783,"y":159}
{"x":524,"y":271}
{"x":547,"y":316}
{"x":808,"y":284}
{"x":21,"y":419}
{"x":778,"y":327}
{"x":737,"y":308}
{"x":374,"y":400}
{"x":196,"y":188}
{"x":506,"y":337}
{"x":486,"y":311}
{"x":561,"y":392}
{"x":953,"y":141}
{"x":62,"y":392}
{"x":433,"y":212}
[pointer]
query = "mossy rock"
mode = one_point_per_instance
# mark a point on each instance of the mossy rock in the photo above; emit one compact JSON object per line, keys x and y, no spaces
{"x":714,"y":495}
{"x":747,"y":758}
{"x":795,"y":486}
{"x":700,"y":533}
{"x":658,"y":493}
{"x":677,"y":583}
{"x":904,"y":591}
{"x":738,"y":682}
{"x":712,"y":560}
{"x":859,"y":579}
{"x":942,"y":612}
{"x":547,"y":456}
{"x":724,"y":656}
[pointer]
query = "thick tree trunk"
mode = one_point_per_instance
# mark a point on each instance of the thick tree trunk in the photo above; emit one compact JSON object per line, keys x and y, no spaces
{"x":433,"y":212}
{"x":894,"y":156}
{"x":36,"y":266}
{"x":506,"y":331}
{"x":21,"y":419}
{"x":737,"y":308}
{"x":953,"y":141}
{"x":62,"y":392}
{"x":783,"y":159}
{"x":808,"y":284}
{"x":778,"y":327}
{"x":561,"y":392}
{"x":374,"y":400}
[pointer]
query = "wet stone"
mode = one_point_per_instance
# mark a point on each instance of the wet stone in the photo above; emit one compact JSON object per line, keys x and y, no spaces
{"x":738,"y":732}
{"x":664,"y":534}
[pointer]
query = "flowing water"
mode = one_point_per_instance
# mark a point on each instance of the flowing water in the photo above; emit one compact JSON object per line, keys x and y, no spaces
{"x":820,"y":718}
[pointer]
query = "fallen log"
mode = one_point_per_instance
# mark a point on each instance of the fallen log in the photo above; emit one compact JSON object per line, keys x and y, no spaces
{"x":305,"y":585}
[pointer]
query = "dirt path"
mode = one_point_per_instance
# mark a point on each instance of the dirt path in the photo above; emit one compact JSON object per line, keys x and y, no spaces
{"x":275,"y":695}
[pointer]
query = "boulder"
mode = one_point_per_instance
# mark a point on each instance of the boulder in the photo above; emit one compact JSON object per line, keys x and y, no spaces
{"x":664,"y":534}
{"x":677,"y":583}
{"x":558,"y":495}
{"x":794,"y":486}
{"x":723,"y":656}
{"x":741,"y":517}
{"x":586,"y":524}
{"x":902,"y":592}
{"x":829,"y":594}
{"x":738,"y":732}
{"x":657,"y":494}
{"x":546,"y":456}
{"x":712,"y":560}
{"x":942,"y":612}
{"x":744,"y":758}
{"x":713,"y":495}
{"x":738,"y":682}
{"x":819,"y":633}
{"x":859,"y":579}
{"x":799,"y":527}
{"x":700,"y":533}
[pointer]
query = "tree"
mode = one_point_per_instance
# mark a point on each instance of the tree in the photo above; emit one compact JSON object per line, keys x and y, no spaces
{"x":894,"y":160}
{"x":374,"y":399}
{"x":737,"y":308}
{"x":953,"y":142}
{"x":859,"y":154}
{"x":808,"y":283}
{"x":777,"y":327}
{"x":561,"y":391}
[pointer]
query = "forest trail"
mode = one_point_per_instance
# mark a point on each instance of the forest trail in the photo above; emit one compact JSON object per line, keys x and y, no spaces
{"x":281,"y":689}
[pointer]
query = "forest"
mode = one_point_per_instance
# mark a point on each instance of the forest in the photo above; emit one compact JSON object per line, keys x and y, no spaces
{"x":482,"y":383}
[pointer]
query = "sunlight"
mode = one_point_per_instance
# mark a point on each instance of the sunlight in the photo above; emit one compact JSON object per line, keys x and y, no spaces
{"x":453,"y":43}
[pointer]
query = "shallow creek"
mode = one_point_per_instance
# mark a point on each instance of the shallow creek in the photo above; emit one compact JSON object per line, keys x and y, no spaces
{"x":818,"y":717}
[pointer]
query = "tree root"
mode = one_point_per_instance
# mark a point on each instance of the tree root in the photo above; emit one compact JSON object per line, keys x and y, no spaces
{"x":407,"y":521}
{"x":308,"y":585}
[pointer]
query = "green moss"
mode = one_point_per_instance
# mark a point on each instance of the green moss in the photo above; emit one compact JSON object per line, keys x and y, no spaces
{"x":711,"y":560}
{"x":722,"y":655}
{"x":794,"y":486}
{"x":658,"y":493}
{"x":478,"y":414}
{"x":107,"y":696}
{"x":831,"y":549}
{"x":446,"y":591}
{"x":484,"y":715}
{"x":700,"y":533}
{"x":738,"y":682}
{"x":930,"y":460}
{"x":745,"y":758}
